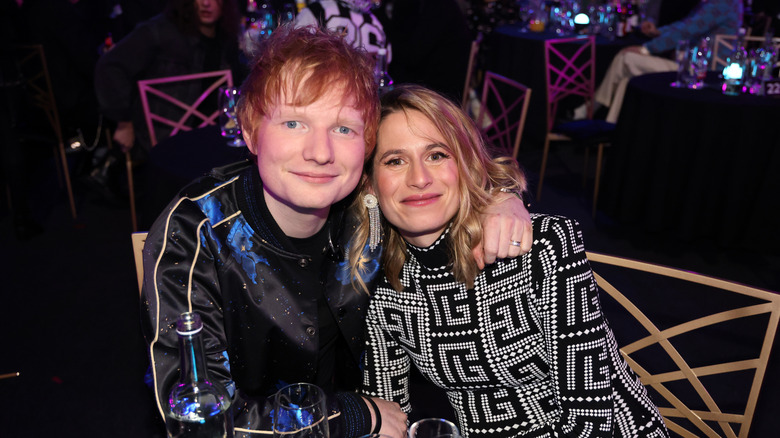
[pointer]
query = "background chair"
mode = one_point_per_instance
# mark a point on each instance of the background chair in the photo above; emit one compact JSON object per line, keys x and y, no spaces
{"x":700,"y":345}
{"x":139,"y":238}
{"x":31,"y":61}
{"x":175,"y":116}
{"x":726,"y":43}
{"x":467,"y":85}
{"x":570,"y":69}
{"x":503,"y":109}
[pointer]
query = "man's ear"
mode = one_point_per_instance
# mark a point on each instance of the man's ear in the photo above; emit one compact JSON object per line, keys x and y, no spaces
{"x":249,"y":143}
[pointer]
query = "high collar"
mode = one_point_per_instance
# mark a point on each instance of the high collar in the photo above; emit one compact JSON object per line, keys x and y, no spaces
{"x":435,"y":256}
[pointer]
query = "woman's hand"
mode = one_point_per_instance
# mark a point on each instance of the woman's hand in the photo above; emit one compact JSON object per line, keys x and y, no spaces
{"x":393,"y":418}
{"x":505,"y":222}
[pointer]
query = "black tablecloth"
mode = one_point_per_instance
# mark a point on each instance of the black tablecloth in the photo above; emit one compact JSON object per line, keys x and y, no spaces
{"x":696,"y":164}
{"x":520,"y":56}
{"x":176,"y":161}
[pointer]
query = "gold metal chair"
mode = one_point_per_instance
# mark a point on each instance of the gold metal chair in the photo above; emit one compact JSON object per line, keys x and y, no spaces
{"x":31,"y":60}
{"x":154,"y":89}
{"x":699,"y":348}
{"x":726,"y":44}
{"x":474,"y":51}
{"x":502,"y":113}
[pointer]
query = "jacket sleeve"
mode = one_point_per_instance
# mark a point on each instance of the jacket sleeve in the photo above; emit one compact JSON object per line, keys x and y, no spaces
{"x":386,"y":365}
{"x":181,"y":274}
{"x":707,"y":16}
{"x":118,"y":70}
{"x":575,"y":330}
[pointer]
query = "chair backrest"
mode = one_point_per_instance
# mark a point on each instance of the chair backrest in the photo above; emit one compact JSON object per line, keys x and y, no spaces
{"x":699,"y":344}
{"x":31,"y":61}
{"x":724,"y":44}
{"x":470,"y":70}
{"x":183,"y":110}
{"x":502,"y":112}
{"x":139,"y":238}
{"x":570,"y":69}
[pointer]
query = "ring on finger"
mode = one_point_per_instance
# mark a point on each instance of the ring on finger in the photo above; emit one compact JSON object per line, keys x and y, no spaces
{"x":514,"y":243}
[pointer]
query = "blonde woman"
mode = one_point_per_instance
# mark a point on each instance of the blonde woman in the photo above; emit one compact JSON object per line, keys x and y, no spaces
{"x":521,"y":347}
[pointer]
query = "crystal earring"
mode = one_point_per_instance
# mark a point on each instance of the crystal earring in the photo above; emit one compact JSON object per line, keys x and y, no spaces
{"x":372,"y":205}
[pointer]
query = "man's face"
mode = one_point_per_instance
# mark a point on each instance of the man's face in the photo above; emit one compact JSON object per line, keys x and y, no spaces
{"x":309,"y":157}
{"x":209,"y":11}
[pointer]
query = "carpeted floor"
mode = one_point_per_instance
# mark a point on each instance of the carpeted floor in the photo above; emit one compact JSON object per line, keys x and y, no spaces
{"x":69,"y":313}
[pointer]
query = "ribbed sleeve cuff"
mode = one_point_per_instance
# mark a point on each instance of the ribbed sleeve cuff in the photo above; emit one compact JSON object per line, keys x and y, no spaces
{"x":356,"y":417}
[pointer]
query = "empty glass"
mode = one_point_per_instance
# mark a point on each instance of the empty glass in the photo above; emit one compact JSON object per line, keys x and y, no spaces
{"x":300,"y":412}
{"x":700,"y":59}
{"x":432,"y":428}
{"x":682,"y":56}
{"x":228,"y":120}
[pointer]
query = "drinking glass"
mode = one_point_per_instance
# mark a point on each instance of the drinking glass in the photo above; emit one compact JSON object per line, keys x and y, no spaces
{"x":299,"y":412}
{"x":700,"y":58}
{"x":681,"y":55}
{"x":228,"y":120}
{"x":432,"y":427}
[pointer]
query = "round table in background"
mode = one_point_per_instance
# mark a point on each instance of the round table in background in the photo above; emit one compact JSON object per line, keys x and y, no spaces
{"x":696,"y":164}
{"x":519,"y":55}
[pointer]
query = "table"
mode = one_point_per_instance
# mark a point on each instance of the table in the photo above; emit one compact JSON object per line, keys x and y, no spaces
{"x":519,"y":55}
{"x":177,"y":160}
{"x":696,"y":164}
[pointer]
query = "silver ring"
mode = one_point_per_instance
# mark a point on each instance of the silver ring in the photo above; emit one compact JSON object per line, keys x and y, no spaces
{"x":514,"y":243}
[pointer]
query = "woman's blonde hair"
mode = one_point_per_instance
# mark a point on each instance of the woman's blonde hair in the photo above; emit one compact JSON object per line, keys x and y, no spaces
{"x":480,"y":176}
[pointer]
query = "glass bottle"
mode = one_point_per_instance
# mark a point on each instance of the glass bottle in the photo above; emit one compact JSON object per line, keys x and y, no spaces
{"x":197,"y":406}
{"x":383,"y":80}
{"x":736,"y":63}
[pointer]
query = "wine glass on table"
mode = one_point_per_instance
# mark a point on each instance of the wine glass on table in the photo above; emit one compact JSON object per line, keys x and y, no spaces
{"x":682,"y":56}
{"x":228,"y":120}
{"x":432,"y":428}
{"x":300,"y":412}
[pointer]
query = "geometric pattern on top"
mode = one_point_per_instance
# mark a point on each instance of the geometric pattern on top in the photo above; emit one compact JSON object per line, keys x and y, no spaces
{"x":526,"y":352}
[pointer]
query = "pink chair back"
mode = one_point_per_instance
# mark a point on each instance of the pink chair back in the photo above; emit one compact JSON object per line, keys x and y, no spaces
{"x":572,"y":75}
{"x":148,"y":87}
{"x":508,"y":100}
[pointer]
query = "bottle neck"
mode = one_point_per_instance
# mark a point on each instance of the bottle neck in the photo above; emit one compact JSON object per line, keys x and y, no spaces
{"x":193,"y":358}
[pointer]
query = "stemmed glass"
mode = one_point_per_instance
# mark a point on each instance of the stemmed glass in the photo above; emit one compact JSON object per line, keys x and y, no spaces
{"x":299,"y":412}
{"x":432,"y":428}
{"x":228,"y":120}
{"x":682,"y":56}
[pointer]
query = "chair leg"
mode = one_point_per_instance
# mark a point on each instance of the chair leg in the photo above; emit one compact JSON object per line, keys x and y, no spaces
{"x":66,"y":177}
{"x":599,"y":157}
{"x":131,"y":190}
{"x":585,"y":168}
{"x":544,"y":166}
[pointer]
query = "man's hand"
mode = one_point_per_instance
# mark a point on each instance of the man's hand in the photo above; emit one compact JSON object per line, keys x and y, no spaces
{"x":124,"y":135}
{"x":393,"y":418}
{"x":504,"y":221}
{"x":648,"y":29}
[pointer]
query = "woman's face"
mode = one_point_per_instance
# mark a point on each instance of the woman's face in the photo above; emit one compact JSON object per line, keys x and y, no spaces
{"x":415,"y":177}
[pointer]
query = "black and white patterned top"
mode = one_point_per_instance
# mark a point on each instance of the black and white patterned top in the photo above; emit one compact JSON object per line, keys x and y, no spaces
{"x":527,"y":352}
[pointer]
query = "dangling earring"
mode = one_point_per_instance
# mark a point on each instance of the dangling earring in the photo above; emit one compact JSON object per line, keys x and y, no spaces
{"x":372,"y":205}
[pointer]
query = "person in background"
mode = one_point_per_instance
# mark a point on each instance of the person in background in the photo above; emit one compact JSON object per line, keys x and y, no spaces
{"x":709,"y":18}
{"x":521,"y":347}
{"x":257,"y":248}
{"x":191,"y":36}
{"x":353,"y":18}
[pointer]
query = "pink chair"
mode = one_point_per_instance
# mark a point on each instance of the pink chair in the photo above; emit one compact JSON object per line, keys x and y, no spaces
{"x":149,"y":87}
{"x":149,"y":90}
{"x":498,"y":119}
{"x":573,"y":75}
